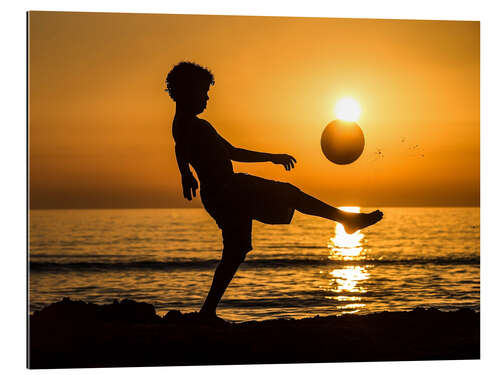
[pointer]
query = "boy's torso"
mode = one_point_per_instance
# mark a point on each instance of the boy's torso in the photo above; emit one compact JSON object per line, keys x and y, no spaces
{"x":206,"y":150}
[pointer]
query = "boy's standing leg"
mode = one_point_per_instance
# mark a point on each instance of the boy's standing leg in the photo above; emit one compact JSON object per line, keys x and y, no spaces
{"x":237,"y":240}
{"x":223,"y":275}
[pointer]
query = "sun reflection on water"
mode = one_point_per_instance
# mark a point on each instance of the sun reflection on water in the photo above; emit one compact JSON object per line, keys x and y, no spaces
{"x":346,"y":283}
{"x":345,"y":246}
{"x":347,"y":279}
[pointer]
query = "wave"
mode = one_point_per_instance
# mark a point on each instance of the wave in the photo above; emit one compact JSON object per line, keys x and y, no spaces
{"x":251,"y":263}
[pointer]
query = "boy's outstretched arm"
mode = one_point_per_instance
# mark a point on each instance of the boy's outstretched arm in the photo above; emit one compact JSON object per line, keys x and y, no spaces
{"x":189,"y":183}
{"x":242,"y":155}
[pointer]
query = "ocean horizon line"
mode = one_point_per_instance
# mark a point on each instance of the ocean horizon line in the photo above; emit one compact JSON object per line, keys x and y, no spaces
{"x":201,"y":207}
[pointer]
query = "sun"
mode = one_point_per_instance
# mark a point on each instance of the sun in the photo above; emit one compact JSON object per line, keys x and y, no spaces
{"x":347,"y":109}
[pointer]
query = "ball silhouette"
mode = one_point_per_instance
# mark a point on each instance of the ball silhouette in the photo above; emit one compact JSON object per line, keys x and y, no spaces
{"x":342,"y":142}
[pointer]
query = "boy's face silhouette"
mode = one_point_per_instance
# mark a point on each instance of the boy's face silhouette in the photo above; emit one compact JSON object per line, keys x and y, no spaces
{"x":195,"y":101}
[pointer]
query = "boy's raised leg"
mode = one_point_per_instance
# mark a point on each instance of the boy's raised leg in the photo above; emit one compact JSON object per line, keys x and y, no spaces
{"x":351,"y":221}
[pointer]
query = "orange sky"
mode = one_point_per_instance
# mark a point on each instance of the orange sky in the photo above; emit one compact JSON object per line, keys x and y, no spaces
{"x":100,"y":122}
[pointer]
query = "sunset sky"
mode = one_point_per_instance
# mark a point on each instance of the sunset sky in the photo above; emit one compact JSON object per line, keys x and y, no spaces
{"x":100,"y":120}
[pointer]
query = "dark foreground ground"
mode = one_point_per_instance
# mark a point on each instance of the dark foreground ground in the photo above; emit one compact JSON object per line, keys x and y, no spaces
{"x":77,"y":334}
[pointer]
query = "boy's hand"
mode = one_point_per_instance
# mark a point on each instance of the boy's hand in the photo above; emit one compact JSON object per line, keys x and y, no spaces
{"x":286,"y":160}
{"x":189,"y":186}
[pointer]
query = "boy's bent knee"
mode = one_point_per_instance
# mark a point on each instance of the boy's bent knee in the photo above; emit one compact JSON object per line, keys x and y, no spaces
{"x":233,"y":256}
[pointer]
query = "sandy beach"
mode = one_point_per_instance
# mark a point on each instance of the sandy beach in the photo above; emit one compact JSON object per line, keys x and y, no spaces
{"x":70,"y":334}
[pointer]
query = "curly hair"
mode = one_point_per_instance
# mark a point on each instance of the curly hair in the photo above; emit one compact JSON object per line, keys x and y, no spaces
{"x":186,"y":76}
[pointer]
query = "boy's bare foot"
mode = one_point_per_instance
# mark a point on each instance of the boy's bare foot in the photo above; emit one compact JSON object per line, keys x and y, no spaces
{"x":355,"y":222}
{"x":211,"y":319}
{"x":195,"y":318}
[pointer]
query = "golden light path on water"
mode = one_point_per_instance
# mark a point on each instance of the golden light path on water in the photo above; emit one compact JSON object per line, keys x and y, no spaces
{"x":345,"y":281}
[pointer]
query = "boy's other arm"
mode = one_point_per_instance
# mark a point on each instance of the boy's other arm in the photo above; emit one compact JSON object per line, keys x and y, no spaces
{"x":248,"y":156}
{"x":189,"y":183}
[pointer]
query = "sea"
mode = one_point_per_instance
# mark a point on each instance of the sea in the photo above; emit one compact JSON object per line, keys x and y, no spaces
{"x":414,"y":257}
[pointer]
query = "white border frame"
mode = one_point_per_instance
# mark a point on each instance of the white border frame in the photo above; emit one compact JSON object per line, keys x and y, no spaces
{"x":13,"y":274}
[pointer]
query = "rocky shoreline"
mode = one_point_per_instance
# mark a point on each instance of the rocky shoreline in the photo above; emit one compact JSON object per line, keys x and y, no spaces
{"x":70,"y":334}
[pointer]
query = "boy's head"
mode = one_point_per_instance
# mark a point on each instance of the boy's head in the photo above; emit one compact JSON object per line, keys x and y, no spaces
{"x":188,"y":84}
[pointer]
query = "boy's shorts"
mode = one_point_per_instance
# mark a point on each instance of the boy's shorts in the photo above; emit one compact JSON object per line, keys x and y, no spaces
{"x":243,"y":198}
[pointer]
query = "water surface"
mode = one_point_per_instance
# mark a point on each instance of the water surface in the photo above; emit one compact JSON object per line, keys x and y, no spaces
{"x":413,"y":257}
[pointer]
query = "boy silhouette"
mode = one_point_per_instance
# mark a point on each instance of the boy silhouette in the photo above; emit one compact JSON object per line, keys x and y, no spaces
{"x":234,"y":199}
